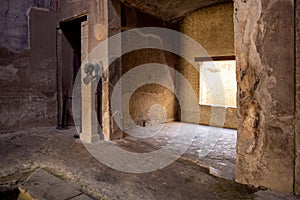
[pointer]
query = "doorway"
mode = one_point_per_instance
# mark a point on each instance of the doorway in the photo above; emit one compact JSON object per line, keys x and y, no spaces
{"x":70,"y":46}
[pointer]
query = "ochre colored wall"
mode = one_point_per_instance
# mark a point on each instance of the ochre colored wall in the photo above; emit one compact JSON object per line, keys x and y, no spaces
{"x":212,"y":28}
{"x":149,"y":95}
{"x":143,"y":103}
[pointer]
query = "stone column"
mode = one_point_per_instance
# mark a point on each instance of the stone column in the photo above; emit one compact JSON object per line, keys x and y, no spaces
{"x":264,"y":38}
{"x":89,"y":118}
{"x":89,"y":123}
{"x":95,"y":33}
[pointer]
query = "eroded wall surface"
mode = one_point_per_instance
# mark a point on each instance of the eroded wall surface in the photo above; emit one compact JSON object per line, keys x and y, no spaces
{"x":152,"y":103}
{"x":14,"y":22}
{"x":264,"y":38}
{"x":115,"y":71}
{"x":297,"y":111}
{"x":212,"y":28}
{"x":70,"y":9}
{"x":27,"y":65}
{"x":103,"y":21}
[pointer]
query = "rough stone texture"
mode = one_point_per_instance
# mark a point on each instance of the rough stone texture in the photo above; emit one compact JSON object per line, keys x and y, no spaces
{"x":84,"y":40}
{"x":115,"y":71}
{"x":71,"y":9}
{"x":65,"y":157}
{"x":217,"y":155}
{"x":89,"y":119}
{"x":145,"y":98}
{"x":97,"y":18}
{"x":145,"y":105}
{"x":297,"y":111}
{"x":264,"y":37}
{"x":271,"y":195}
{"x":42,"y":185}
{"x":212,"y":28}
{"x":14,"y":22}
{"x":96,"y":30}
{"x":152,"y":103}
{"x":171,"y":10}
{"x":230,"y":120}
{"x":28,"y":78}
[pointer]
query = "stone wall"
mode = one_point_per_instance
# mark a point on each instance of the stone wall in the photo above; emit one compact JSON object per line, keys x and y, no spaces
{"x":27,"y":65}
{"x":264,"y":38}
{"x":151,"y":103}
{"x":212,"y":28}
{"x":103,"y":21}
{"x":115,"y":71}
{"x":72,"y":9}
{"x":14,"y":22}
{"x":297,"y":111}
{"x":144,"y":101}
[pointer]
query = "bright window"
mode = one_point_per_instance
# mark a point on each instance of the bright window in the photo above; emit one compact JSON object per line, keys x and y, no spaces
{"x":218,"y":84}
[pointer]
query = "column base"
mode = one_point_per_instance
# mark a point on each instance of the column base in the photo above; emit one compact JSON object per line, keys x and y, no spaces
{"x":88,"y":138}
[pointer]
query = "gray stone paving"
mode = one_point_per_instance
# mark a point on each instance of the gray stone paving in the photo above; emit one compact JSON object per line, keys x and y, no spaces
{"x":43,"y":186}
{"x":271,"y":195}
{"x":60,"y":154}
{"x":212,"y":147}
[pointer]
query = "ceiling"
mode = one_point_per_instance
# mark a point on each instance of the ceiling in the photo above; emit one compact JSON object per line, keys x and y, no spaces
{"x":171,"y":10}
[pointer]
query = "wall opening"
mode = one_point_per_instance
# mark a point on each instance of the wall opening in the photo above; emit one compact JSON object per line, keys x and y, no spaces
{"x":70,"y":58}
{"x":218,"y":85}
{"x":212,"y":27}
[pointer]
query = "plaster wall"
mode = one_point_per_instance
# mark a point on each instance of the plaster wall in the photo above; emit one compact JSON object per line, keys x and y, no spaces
{"x":212,"y":28}
{"x":27,"y":65}
{"x":264,"y":38}
{"x":152,"y":103}
{"x":297,"y":99}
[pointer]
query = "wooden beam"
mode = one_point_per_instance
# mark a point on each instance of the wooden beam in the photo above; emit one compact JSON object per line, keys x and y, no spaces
{"x":214,"y":58}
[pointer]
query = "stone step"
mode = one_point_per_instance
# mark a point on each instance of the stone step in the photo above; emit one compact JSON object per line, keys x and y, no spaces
{"x":41,"y":185}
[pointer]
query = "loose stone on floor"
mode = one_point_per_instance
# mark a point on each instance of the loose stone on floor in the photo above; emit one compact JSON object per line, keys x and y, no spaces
{"x":42,"y":185}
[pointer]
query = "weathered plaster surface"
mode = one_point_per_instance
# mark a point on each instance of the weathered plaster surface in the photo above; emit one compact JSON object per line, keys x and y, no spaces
{"x":212,"y":28}
{"x":14,"y":22}
{"x":103,"y":22}
{"x":264,"y":38}
{"x":152,"y":103}
{"x":114,"y":27}
{"x":144,"y":102}
{"x":297,"y":111}
{"x":171,"y":10}
{"x":70,"y":9}
{"x":28,"y":78}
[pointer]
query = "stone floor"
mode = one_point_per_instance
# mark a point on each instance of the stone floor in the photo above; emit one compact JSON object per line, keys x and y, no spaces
{"x":65,"y":157}
{"x":42,"y":185}
{"x":211,"y":147}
